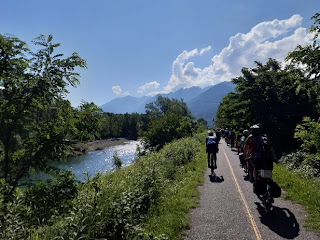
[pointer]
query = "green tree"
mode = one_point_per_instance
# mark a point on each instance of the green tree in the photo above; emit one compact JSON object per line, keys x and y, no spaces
{"x":169,"y":119}
{"x":88,"y":121}
{"x":308,"y":132}
{"x":164,"y":105}
{"x":35,"y":119}
{"x":276,"y":98}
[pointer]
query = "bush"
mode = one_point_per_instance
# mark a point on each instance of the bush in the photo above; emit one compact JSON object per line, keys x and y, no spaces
{"x":38,"y":205}
{"x":309,"y":134}
{"x":293,"y":160}
{"x":117,"y":162}
{"x":307,"y":164}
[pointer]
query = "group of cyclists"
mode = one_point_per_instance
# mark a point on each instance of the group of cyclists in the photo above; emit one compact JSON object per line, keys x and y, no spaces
{"x":255,"y":152}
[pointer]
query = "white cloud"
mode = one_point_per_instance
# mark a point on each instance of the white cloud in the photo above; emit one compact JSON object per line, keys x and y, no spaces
{"x":204,"y":50}
{"x":270,"y":39}
{"x":117,"y":90}
{"x":126,"y":93}
{"x":149,"y":85}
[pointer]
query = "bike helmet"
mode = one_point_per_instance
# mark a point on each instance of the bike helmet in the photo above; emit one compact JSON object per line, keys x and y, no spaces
{"x":255,"y":130}
{"x":245,"y":132}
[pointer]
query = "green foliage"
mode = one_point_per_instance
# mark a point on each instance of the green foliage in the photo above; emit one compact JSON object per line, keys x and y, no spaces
{"x":35,"y":119}
{"x":169,"y":119}
{"x":88,"y":121}
{"x":306,"y":164}
{"x":122,"y":125}
{"x":117,"y":162}
{"x":307,"y":161}
{"x":202,"y":125}
{"x":276,"y":98}
{"x":163,"y":106}
{"x":308,"y":132}
{"x":118,"y":205}
{"x":37,"y":206}
{"x":293,"y":160}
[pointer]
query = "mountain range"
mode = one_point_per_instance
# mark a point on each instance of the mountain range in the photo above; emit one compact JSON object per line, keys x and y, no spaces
{"x":203,"y":102}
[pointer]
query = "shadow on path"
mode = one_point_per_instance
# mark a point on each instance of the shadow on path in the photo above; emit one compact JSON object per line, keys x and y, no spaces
{"x":281,"y":220}
{"x":216,"y":179}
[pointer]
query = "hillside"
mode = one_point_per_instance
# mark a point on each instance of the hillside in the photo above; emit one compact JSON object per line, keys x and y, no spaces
{"x":206,"y":104}
{"x":126,"y":104}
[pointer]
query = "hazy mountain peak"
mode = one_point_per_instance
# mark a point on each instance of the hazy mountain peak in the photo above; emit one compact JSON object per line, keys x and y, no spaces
{"x":203,"y":103}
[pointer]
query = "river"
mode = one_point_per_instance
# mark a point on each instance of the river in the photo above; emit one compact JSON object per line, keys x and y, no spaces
{"x":93,"y":162}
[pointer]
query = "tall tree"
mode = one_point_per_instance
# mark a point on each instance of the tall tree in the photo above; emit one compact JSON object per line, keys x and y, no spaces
{"x":276,"y":98}
{"x":169,"y":119}
{"x":34,"y":117}
{"x":88,"y":121}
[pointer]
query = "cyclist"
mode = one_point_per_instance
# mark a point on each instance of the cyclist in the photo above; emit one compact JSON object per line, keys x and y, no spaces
{"x":231,"y":137}
{"x":252,"y":150}
{"x":238,"y":141}
{"x":218,"y":134}
{"x":242,"y":141}
{"x":211,"y":148}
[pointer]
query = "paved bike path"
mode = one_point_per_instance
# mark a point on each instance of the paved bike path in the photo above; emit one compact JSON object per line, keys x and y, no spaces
{"x":229,"y":209}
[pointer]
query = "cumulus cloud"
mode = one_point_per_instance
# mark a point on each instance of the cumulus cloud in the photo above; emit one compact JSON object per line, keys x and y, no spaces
{"x":204,"y":50}
{"x":270,"y":39}
{"x":116,"y":90}
{"x":147,"y":86}
{"x":119,"y":92}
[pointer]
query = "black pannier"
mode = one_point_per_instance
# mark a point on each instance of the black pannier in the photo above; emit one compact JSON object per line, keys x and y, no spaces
{"x":260,"y":188}
{"x":276,"y":190}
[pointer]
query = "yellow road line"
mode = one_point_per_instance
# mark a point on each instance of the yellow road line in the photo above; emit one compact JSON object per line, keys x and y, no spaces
{"x":253,"y":223}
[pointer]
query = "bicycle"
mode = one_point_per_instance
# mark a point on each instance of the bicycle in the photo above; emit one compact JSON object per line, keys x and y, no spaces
{"x":265,"y":192}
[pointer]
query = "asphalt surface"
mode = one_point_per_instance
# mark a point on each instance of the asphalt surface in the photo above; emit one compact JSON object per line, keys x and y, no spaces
{"x":228,"y":209}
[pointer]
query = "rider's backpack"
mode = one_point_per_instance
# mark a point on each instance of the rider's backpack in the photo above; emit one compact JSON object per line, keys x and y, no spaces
{"x":212,"y":145}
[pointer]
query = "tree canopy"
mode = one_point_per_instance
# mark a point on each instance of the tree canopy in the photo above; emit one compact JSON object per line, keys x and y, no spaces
{"x":168,"y":119}
{"x":34,"y":116}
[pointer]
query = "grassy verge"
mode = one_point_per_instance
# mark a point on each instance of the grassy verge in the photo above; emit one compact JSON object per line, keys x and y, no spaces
{"x":149,"y":200}
{"x":302,"y":191}
{"x":170,"y":217}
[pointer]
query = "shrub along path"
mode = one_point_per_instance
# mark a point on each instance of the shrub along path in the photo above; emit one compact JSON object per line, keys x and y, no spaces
{"x":230,"y":210}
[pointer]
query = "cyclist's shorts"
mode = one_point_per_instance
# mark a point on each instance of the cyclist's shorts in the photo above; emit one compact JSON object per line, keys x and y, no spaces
{"x":211,"y":148}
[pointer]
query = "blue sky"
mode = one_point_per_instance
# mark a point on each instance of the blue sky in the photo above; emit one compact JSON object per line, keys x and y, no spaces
{"x":146,"y":47}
